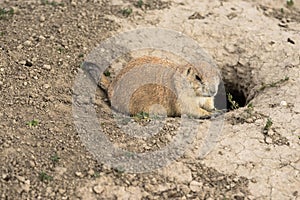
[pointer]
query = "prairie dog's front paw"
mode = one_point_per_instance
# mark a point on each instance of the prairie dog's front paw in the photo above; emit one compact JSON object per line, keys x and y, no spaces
{"x":206,"y":103}
{"x":192,"y":109}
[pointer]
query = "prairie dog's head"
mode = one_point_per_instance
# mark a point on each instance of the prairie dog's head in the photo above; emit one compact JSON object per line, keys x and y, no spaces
{"x":204,"y":79}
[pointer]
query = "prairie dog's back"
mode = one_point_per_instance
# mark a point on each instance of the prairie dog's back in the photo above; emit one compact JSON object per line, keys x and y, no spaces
{"x":148,"y":81}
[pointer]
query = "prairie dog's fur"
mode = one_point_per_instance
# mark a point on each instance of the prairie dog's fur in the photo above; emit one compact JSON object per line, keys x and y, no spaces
{"x":153,"y":83}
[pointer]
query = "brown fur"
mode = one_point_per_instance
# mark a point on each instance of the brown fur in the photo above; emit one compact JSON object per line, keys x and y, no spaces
{"x":196,"y":99}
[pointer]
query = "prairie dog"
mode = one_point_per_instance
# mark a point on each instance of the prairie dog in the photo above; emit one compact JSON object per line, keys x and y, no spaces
{"x":157,"y":86}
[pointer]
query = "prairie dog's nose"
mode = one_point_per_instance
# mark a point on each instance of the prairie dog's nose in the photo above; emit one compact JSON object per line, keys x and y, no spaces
{"x":210,"y":91}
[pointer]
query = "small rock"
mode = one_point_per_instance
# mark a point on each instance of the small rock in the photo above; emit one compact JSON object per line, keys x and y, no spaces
{"x":28,"y":63}
{"x":42,"y":18}
{"x":1,"y":83}
{"x":283,"y":103}
{"x":195,"y":186}
{"x":98,"y":189}
{"x":41,"y":37}
{"x":249,"y":120}
{"x":230,"y":48}
{"x":269,"y":140}
{"x":19,"y":46}
{"x":23,"y":62}
{"x":61,"y":191}
{"x":259,"y":122}
{"x":16,"y":10}
{"x":31,"y":163}
{"x":28,"y":43}
{"x":6,"y":145}
{"x":20,"y":178}
{"x":185,"y":189}
{"x":91,"y":172}
{"x":239,"y":195}
{"x":48,"y":191}
{"x":47,"y":67}
{"x":5,"y":176}
{"x":25,"y":187}
{"x":79,"y":174}
{"x":271,"y":132}
{"x":73,"y":3}
{"x":46,"y":86}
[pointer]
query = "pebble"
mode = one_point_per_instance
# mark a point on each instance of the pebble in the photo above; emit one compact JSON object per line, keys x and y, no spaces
{"x":6,"y":145}
{"x":196,"y":186}
{"x":91,"y":172}
{"x":259,"y":122}
{"x":61,"y":191}
{"x":28,"y":43}
{"x":31,"y":163}
{"x":25,"y":188}
{"x":5,"y":176}
{"x":1,"y":83}
{"x":23,"y":62}
{"x":41,"y":37}
{"x":48,"y":191}
{"x":16,"y":10}
{"x":269,"y":140}
{"x":230,"y":48}
{"x":79,"y":174}
{"x":185,"y":189}
{"x":47,"y":67}
{"x":283,"y":103}
{"x":20,"y":178}
{"x":73,"y":3}
{"x":42,"y":18}
{"x":98,"y":189}
{"x":28,"y":63}
{"x":46,"y":86}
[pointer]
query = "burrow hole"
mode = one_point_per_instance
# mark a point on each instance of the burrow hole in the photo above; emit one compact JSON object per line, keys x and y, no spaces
{"x":238,"y":82}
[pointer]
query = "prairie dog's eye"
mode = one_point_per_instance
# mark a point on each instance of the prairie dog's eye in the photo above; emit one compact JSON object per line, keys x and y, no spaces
{"x":198,"y":78}
{"x":188,"y":71}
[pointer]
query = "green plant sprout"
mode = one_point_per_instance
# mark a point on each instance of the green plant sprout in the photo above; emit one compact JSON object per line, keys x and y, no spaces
{"x":268,"y":125}
{"x":289,"y":2}
{"x":96,"y":175}
{"x":126,"y":12}
{"x":141,"y":115}
{"x":274,"y":84}
{"x":106,"y":73}
{"x":140,"y":3}
{"x":43,"y":176}
{"x":234,"y":105}
{"x":32,"y":123}
{"x":4,"y":14}
{"x":55,"y":158}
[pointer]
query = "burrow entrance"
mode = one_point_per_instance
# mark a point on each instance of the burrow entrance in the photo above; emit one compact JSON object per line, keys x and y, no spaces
{"x":236,"y":87}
